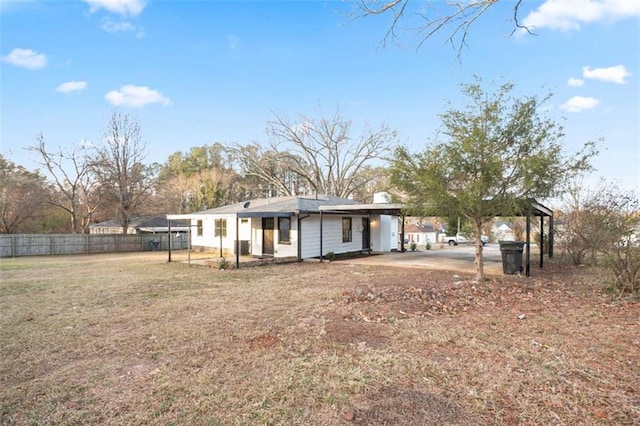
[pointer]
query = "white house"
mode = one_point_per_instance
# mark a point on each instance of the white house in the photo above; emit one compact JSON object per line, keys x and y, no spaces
{"x":421,"y":234}
{"x":297,"y":227}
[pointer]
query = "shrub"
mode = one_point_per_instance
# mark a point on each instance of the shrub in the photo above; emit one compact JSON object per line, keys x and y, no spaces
{"x":223,"y":264}
{"x":413,"y":246}
{"x":330,"y":256}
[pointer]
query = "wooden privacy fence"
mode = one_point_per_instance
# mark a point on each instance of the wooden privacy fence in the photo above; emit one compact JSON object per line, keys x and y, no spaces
{"x":15,"y":245}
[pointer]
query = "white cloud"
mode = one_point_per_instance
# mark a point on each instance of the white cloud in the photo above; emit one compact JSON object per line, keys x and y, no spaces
{"x":116,"y":27}
{"x":569,"y":15}
{"x":136,"y":97}
{"x":120,"y":7}
{"x":579,"y":103}
{"x":26,"y":58}
{"x":233,"y":41}
{"x":71,"y":86}
{"x":616,"y":74}
{"x":575,"y":82}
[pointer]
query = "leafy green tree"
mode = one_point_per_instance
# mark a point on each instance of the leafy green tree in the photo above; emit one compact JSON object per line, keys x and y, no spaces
{"x":199,"y":179}
{"x":495,"y":153}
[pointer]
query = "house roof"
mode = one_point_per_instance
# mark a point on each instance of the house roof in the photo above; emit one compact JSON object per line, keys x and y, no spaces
{"x":146,"y":222}
{"x":413,"y":228}
{"x":290,"y":205}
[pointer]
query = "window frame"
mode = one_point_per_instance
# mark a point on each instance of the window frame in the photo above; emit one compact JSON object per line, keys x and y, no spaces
{"x":222,"y":229}
{"x":282,"y":232}
{"x":347,"y":232}
{"x":199,"y":227}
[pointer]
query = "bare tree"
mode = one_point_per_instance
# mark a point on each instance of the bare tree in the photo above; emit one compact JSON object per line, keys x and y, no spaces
{"x":604,"y":220}
{"x":459,"y":18}
{"x":22,"y":196}
{"x":318,"y":155}
{"x":119,"y":166}
{"x":74,"y":180}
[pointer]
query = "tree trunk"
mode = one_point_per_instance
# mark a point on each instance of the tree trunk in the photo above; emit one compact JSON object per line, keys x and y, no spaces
{"x":479,"y":261}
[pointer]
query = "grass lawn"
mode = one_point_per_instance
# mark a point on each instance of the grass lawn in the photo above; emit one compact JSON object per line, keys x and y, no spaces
{"x":130,"y":339}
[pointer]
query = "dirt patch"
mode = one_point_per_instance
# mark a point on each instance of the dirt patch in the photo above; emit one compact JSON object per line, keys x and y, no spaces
{"x":400,"y":405}
{"x":263,"y":341}
{"x":346,"y":331}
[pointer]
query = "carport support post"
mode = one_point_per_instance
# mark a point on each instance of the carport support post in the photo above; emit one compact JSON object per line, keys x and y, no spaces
{"x":369,"y":231}
{"x":541,"y":240}
{"x":551,"y":236}
{"x":402,"y":236}
{"x":528,"y":267}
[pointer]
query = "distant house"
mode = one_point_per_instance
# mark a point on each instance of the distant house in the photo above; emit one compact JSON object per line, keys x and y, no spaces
{"x":297,"y":227}
{"x":421,"y":233}
{"x":502,"y":231}
{"x":139,"y":225}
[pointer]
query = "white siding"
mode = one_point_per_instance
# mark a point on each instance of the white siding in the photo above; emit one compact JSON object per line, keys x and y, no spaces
{"x":332,"y":232}
{"x":381,"y":232}
{"x":286,"y":250}
{"x":208,"y":238}
{"x":256,"y":237}
{"x":394,"y":233}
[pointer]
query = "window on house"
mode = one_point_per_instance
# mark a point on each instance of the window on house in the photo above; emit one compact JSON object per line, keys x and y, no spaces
{"x":221,"y":228}
{"x":346,"y":229}
{"x":284,"y":230}
{"x":199,"y":228}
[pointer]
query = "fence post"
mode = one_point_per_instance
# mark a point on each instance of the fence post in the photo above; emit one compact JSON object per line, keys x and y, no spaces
{"x":13,"y":245}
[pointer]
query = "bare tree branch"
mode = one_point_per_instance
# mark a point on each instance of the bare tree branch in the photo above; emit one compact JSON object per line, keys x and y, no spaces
{"x":460,"y":18}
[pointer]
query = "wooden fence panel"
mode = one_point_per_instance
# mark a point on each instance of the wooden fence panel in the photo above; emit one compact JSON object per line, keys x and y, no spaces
{"x":17,"y":245}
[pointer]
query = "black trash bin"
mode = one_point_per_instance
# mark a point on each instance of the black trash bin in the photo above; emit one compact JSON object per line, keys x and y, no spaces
{"x":511,"y":256}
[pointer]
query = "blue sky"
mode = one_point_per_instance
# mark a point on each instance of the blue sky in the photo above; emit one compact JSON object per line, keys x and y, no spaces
{"x":199,"y":72}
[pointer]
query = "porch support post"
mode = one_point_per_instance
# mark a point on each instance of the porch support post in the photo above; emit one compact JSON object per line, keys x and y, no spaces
{"x":237,"y":243}
{"x":299,"y":240}
{"x":169,"y":243}
{"x":321,"y":236}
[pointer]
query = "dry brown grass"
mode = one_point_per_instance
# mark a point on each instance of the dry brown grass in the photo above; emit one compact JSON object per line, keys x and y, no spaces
{"x":129,"y":339}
